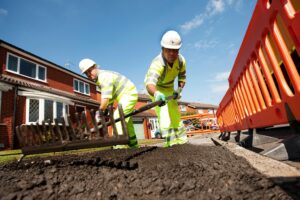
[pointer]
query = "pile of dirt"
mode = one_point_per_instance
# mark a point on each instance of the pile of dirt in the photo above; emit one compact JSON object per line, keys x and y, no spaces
{"x":179,"y":172}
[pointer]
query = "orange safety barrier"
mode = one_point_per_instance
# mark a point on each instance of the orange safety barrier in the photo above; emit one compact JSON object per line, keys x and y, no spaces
{"x":205,"y":123}
{"x":264,"y":83}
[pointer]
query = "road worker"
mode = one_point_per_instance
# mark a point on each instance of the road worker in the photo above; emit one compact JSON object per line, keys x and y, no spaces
{"x":159,"y":82}
{"x":113,"y":87}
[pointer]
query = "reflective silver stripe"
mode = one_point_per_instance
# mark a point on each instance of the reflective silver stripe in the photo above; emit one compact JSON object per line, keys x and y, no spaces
{"x":180,"y":132}
{"x":108,"y":92}
{"x":152,"y":80}
{"x":166,"y":133}
{"x":181,"y":129}
{"x":117,"y":82}
{"x":119,"y":90}
{"x":153,"y":75}
{"x":170,"y":136}
{"x":106,"y":85}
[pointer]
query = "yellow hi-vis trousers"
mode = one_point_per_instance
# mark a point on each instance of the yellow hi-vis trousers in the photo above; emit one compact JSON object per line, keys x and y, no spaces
{"x":128,"y":102}
{"x":170,"y":124}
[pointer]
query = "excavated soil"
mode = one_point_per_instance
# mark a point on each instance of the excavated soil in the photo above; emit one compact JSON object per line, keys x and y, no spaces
{"x":180,"y":172}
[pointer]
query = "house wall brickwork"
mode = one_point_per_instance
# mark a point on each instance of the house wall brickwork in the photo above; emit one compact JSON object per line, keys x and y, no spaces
{"x":7,"y":108}
{"x":57,"y":78}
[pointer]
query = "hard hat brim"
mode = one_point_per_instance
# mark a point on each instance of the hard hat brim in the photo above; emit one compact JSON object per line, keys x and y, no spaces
{"x":82,"y":72}
{"x":171,"y":46}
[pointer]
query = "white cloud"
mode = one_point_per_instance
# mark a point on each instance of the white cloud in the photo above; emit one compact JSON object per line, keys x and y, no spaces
{"x":142,"y":89}
{"x":232,"y":49}
{"x":213,"y":7}
{"x":220,"y":84}
{"x":3,"y":12}
{"x":194,"y":23}
{"x":205,"y":44}
{"x":237,"y":4}
{"x":222,"y":76}
{"x":219,"y":88}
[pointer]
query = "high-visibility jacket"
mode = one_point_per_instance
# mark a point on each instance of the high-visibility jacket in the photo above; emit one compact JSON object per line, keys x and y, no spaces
{"x":163,"y":76}
{"x":113,"y":85}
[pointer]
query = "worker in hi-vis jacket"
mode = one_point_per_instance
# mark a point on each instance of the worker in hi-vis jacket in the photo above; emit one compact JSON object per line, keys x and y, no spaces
{"x":159,"y":82}
{"x":113,"y":87}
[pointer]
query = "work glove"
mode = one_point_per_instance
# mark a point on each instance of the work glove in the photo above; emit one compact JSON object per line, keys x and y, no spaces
{"x":178,"y":93}
{"x":104,"y":113}
{"x":160,"y":97}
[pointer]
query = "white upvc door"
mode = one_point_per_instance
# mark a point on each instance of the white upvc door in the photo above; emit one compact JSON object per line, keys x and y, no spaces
{"x":154,"y":126}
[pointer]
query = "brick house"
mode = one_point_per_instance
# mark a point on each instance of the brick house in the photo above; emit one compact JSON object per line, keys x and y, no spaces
{"x":33,"y":89}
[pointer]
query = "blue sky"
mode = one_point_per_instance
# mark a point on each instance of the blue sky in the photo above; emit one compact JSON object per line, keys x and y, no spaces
{"x":124,"y":36}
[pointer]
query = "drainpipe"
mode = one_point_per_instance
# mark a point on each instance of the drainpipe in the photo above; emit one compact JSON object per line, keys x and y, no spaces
{"x":14,"y":117}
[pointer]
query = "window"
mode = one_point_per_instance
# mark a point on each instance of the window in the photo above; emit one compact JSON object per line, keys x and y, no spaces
{"x":182,"y":108}
{"x":48,"y":110}
{"x":12,"y":63}
{"x":26,"y":68}
{"x":200,"y":111}
{"x":81,"y":87}
{"x":59,"y":110}
{"x":33,"y":110}
{"x":42,"y":73}
{"x":38,"y":110}
{"x":98,"y":89}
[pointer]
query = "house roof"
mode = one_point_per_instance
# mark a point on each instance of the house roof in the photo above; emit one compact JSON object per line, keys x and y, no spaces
{"x":32,"y":85}
{"x":195,"y":105}
{"x":183,"y":103}
{"x":202,"y":105}
{"x":144,"y":97}
{"x":12,"y":47}
{"x":145,"y":114}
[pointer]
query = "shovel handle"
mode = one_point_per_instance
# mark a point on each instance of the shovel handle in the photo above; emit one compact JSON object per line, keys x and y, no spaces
{"x":143,"y":108}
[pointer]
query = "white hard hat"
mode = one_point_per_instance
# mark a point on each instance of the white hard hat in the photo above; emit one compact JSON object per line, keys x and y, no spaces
{"x":85,"y":64}
{"x":171,"y":40}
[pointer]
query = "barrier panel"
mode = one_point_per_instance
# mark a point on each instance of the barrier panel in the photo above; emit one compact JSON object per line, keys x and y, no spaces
{"x":264,"y":83}
{"x":200,"y":123}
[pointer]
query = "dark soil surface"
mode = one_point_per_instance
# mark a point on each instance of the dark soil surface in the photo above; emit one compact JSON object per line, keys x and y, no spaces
{"x":179,"y":172}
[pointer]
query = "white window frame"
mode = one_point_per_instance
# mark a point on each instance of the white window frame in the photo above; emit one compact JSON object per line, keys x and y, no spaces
{"x":37,"y":66}
{"x":84,"y":87}
{"x":200,"y":111}
{"x":84,"y":107}
{"x":42,"y":110}
{"x":182,"y":108}
{"x":98,"y":89}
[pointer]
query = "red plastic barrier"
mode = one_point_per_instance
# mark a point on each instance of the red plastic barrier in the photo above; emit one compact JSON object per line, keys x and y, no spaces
{"x":264,"y":81}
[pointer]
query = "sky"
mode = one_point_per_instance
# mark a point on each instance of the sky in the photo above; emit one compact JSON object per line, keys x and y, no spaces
{"x":124,"y":36}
